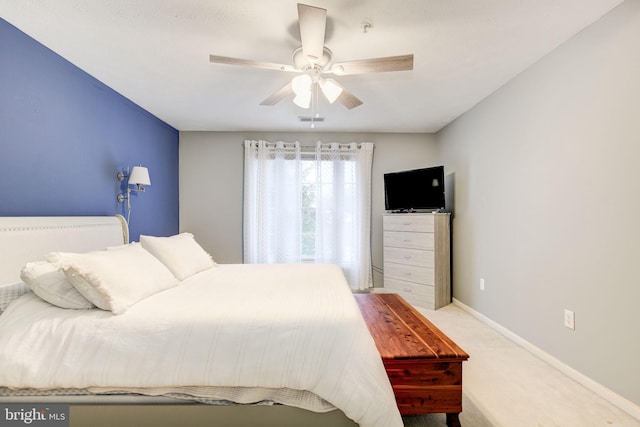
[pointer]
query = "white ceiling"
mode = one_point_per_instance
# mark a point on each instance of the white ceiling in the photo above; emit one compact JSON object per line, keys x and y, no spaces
{"x":156,"y":53}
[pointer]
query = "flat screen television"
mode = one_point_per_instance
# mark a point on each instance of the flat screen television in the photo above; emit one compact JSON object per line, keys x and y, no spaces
{"x":414,"y":190}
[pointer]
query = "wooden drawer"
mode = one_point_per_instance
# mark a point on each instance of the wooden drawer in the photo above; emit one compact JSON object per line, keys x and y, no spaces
{"x":426,"y":383}
{"x":414,"y":372}
{"x":418,"y":295}
{"x":405,"y":239}
{"x":418,"y":257}
{"x":409,"y":273}
{"x":409,"y":222}
{"x":416,"y":400}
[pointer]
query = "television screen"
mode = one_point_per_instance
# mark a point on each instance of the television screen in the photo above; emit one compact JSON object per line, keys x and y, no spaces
{"x":418,"y":189}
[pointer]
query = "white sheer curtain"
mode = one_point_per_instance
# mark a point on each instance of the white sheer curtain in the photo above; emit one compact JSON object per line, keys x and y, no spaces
{"x":343,"y":216}
{"x":272,"y":191}
{"x":336,"y":180}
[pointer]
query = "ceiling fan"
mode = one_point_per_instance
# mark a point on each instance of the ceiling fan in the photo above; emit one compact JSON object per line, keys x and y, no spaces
{"x":313,"y":60}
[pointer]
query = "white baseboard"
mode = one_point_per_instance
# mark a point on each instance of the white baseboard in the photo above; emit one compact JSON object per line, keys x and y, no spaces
{"x":602,"y":391}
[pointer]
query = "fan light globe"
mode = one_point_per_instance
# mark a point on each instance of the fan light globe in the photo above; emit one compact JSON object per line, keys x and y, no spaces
{"x":331,"y":89}
{"x":303,"y":99}
{"x":301,"y":84}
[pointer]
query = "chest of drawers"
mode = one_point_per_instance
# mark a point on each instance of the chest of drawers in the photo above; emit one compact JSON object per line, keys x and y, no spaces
{"x":422,"y":363}
{"x":417,"y":258}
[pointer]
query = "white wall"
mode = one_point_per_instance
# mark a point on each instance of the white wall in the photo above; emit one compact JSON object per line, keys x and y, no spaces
{"x":211,"y":169}
{"x":547,"y":201}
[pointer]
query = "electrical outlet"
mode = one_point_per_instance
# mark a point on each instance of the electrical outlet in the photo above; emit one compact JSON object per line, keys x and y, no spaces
{"x":482,"y":284}
{"x":569,"y":319}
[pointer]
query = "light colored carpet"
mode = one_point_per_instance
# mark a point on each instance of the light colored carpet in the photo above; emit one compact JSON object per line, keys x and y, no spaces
{"x":504,"y":385}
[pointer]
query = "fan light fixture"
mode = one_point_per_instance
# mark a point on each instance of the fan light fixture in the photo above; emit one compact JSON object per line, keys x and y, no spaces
{"x":313,"y":60}
{"x":302,"y":88}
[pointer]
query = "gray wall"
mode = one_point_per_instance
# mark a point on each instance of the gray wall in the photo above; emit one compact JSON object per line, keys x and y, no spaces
{"x":547,"y":201}
{"x":211,"y":170}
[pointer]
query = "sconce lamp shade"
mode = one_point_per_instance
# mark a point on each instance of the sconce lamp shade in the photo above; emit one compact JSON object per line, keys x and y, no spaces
{"x":139,"y":176}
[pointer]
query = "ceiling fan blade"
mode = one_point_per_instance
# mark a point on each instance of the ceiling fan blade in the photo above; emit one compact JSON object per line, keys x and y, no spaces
{"x":374,"y":65}
{"x":250,"y":63}
{"x":313,"y":22}
{"x":279,"y":95}
{"x":349,"y":100}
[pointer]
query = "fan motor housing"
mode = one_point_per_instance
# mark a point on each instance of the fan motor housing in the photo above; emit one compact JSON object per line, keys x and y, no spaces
{"x":301,"y":62}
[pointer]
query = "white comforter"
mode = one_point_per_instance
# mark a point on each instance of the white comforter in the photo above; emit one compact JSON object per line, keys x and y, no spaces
{"x":271,"y":327}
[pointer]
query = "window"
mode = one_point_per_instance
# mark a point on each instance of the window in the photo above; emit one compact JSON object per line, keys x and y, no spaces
{"x":309,"y":205}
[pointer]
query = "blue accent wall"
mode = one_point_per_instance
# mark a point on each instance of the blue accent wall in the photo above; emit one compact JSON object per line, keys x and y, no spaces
{"x":64,"y":135}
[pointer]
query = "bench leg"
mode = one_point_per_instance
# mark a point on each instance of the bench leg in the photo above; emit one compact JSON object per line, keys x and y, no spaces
{"x":453,"y":420}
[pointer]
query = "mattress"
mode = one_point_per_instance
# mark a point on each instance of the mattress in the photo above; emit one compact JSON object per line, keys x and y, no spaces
{"x":290,"y":334}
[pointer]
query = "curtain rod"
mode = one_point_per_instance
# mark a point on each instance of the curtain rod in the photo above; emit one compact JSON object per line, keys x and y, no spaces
{"x":314,"y":145}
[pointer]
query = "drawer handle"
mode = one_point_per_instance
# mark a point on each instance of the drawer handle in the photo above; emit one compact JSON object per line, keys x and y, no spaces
{"x":407,"y":274}
{"x":406,"y":223}
{"x":407,"y":257}
{"x":407,"y":290}
{"x":407,"y":240}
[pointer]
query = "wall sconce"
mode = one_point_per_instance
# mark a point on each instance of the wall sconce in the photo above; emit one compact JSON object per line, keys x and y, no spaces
{"x":138,"y":176}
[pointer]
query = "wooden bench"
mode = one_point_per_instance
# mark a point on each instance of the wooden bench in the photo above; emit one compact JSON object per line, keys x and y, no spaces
{"x":423,"y":364}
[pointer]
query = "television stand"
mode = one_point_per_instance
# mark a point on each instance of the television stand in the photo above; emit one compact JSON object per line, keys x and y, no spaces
{"x":417,"y":258}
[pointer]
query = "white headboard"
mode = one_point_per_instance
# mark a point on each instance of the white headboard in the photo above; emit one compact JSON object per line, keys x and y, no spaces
{"x":25,"y":239}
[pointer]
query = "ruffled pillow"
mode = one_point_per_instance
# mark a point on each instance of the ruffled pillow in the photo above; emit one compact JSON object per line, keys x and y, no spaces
{"x":51,"y":284}
{"x":180,"y":253}
{"x":114,"y":280}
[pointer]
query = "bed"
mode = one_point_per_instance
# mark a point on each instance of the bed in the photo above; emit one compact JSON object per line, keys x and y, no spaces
{"x":284,"y":343}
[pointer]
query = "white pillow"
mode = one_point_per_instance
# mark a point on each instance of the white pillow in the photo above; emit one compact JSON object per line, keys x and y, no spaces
{"x":180,"y":253}
{"x":115,"y":280}
{"x":126,"y":245}
{"x":51,"y":284}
